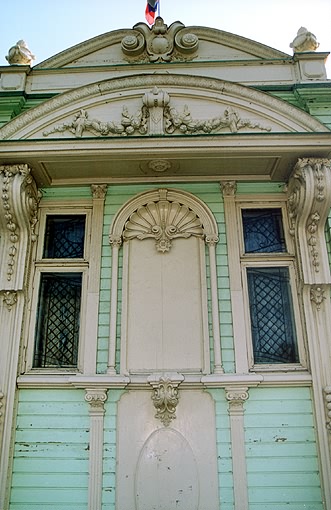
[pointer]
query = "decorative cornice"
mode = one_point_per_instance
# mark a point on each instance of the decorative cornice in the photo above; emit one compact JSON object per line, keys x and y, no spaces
{"x":229,"y":188}
{"x":165,"y":396}
{"x":206,"y":86}
{"x":309,"y":202}
{"x":18,"y":217}
{"x":99,"y":191}
{"x":9,"y":298}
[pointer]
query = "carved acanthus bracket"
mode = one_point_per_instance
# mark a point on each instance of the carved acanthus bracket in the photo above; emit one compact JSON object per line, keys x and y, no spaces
{"x":317,"y":295}
{"x":165,"y":396}
{"x":160,"y":43}
{"x":236,"y":396}
{"x":99,"y":191}
{"x":229,"y":188}
{"x":9,"y":298}
{"x":309,"y":201}
{"x":327,"y":394}
{"x":156,"y":116}
{"x":163,"y":221}
{"x":96,"y":398}
{"x":18,"y":217}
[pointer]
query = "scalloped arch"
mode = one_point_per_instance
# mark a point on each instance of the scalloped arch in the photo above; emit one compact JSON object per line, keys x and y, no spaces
{"x":54,"y":110}
{"x":183,"y":197}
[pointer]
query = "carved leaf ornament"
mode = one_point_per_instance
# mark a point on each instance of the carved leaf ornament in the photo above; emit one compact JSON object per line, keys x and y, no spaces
{"x":163,"y":221}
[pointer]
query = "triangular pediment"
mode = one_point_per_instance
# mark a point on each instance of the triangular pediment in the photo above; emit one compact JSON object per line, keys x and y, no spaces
{"x":161,"y":43}
{"x":159,"y":105}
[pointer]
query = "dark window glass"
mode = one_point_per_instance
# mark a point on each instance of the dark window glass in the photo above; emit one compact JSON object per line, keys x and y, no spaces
{"x":57,"y":329}
{"x":64,"y":237}
{"x":263,"y":231}
{"x":271,"y":310}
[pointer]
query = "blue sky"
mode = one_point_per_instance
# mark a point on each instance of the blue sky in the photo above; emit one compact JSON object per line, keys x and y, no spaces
{"x":52,"y":26}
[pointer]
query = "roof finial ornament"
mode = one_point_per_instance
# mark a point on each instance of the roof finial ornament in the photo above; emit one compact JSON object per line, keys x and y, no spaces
{"x":304,"y":41}
{"x":20,"y":54}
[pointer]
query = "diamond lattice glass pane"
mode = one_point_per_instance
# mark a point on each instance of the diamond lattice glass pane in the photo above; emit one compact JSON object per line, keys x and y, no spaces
{"x":64,"y":236}
{"x":58,"y":320}
{"x":273,"y":333}
{"x":263,"y":231}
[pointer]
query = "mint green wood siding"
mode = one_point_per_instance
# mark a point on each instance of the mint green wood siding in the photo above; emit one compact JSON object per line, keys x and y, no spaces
{"x":50,"y":467}
{"x":282,"y":463}
{"x":210,"y":194}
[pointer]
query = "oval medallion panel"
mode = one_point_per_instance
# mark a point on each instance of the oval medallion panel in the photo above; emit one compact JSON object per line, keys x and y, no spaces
{"x":167,"y":474}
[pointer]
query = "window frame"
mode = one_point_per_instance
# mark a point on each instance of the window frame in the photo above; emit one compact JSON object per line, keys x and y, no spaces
{"x":271,"y":259}
{"x":58,"y":265}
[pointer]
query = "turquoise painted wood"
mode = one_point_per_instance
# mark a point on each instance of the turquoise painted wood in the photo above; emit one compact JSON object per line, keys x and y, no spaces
{"x":50,"y":467}
{"x":281,"y":450}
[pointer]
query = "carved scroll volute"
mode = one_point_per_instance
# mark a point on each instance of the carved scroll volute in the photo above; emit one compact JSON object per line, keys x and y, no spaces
{"x":18,"y":217}
{"x":309,"y":202}
{"x":165,"y":395}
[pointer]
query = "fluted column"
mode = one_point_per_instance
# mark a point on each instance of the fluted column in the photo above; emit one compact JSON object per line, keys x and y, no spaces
{"x":18,"y":216}
{"x":309,"y":202}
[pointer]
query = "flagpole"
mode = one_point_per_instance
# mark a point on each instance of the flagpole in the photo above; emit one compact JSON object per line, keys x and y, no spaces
{"x":159,"y":8}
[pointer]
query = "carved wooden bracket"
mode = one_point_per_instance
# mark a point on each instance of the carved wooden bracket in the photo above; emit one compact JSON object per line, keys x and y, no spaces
{"x":18,"y":217}
{"x":165,"y":396}
{"x":309,"y":202}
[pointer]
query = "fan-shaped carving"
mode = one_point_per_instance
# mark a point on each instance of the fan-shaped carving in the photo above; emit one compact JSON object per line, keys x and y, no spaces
{"x":163,"y":221}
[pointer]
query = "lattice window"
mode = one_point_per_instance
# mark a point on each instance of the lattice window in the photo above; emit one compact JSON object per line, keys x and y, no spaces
{"x":271,"y":310}
{"x":60,"y":269}
{"x":57,"y":329}
{"x":263,"y":231}
{"x":273,"y":333}
{"x":64,"y":237}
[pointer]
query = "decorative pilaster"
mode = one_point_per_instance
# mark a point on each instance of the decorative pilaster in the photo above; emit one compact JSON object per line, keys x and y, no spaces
{"x":165,"y":396}
{"x":229,"y":189}
{"x":309,"y":202}
{"x":237,"y":396}
{"x":98,"y":192}
{"x":211,"y":241}
{"x":96,"y":398}
{"x":116,"y":243}
{"x":18,"y":216}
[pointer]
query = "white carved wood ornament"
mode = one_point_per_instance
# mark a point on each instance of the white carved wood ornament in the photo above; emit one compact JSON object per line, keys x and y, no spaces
{"x":309,"y":202}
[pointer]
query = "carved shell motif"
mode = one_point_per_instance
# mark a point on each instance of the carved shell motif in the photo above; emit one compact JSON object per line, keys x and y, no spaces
{"x":163,"y":221}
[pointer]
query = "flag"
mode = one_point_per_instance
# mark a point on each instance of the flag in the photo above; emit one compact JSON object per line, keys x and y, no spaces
{"x":150,"y":11}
